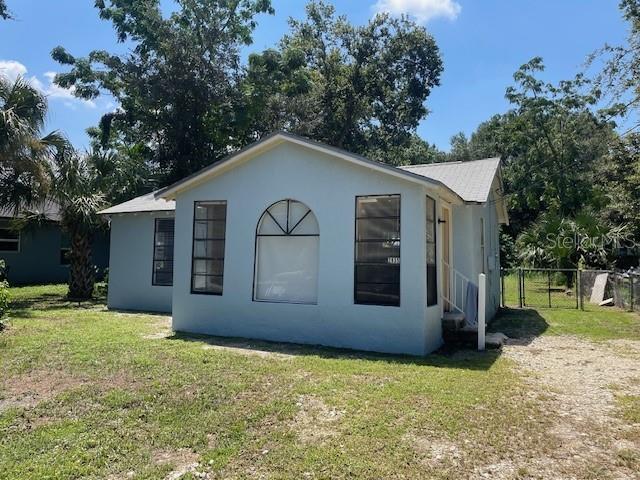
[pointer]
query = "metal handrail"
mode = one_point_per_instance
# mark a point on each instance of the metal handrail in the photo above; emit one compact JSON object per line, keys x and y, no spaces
{"x":455,"y":278}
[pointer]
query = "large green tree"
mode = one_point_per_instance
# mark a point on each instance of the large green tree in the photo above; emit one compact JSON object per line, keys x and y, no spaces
{"x":620,"y":173}
{"x":551,"y":141}
{"x":5,"y":14}
{"x":485,"y":142}
{"x":362,"y":88}
{"x":177,"y":85}
{"x":554,"y":143}
{"x":619,"y":78}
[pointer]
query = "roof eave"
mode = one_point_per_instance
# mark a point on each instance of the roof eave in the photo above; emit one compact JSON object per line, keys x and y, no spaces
{"x":124,"y":212}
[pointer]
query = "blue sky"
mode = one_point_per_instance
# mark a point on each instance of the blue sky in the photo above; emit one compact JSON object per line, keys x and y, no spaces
{"x":482,"y":43}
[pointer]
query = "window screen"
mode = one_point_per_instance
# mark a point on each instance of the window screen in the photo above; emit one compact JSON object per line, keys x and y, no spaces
{"x":163,"y":252}
{"x":209,"y":228}
{"x":432,"y":280}
{"x":377,"y":250}
{"x":287,"y":246}
{"x":9,"y":239}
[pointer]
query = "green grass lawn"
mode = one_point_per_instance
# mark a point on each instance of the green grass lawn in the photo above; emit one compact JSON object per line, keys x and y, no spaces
{"x":595,"y":323}
{"x":92,"y":393}
{"x":598,"y":324}
{"x":536,"y":291}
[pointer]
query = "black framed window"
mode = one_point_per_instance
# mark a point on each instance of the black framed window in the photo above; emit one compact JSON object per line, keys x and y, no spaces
{"x":209,"y":230}
{"x":287,"y":248}
{"x":432,"y":271}
{"x":163,"y":239}
{"x":9,"y":239}
{"x":65,"y":249}
{"x":377,"y":250}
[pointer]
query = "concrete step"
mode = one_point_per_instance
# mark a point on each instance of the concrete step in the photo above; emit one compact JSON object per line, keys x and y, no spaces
{"x":495,"y":340}
{"x":456,"y":331}
{"x":468,"y":338}
{"x":452,"y":321}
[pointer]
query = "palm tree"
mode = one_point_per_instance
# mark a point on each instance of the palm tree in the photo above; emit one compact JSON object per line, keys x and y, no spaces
{"x":584,"y":240}
{"x":25,"y":154}
{"x":35,"y":168}
{"x":75,"y":187}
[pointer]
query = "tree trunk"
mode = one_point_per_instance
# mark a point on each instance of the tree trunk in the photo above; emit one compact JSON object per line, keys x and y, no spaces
{"x":81,"y":271}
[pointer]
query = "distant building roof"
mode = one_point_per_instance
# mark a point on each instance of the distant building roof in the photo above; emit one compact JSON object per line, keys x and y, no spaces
{"x":49,"y":208}
{"x":144,"y":203}
{"x":471,"y":180}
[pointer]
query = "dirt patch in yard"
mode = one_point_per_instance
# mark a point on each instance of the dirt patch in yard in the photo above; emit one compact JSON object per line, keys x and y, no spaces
{"x":161,"y":329}
{"x":435,"y":452}
{"x":34,"y":387}
{"x":183,"y":460}
{"x":577,"y":377}
{"x":247,"y":349}
{"x":315,"y":421}
{"x":30,"y":389}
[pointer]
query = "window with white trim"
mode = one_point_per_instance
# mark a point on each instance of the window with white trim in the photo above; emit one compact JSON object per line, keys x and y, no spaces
{"x":9,"y":239}
{"x":163,"y":238}
{"x":287,"y":247}
{"x":377,"y":250}
{"x":209,"y":232}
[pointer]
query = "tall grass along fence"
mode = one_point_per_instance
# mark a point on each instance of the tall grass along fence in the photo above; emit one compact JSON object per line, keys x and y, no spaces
{"x":568,"y":288}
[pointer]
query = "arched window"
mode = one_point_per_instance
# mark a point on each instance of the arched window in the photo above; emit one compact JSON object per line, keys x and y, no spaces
{"x":287,"y":243}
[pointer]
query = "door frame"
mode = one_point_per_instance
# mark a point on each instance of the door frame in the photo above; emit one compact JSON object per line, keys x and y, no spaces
{"x":445,"y":206}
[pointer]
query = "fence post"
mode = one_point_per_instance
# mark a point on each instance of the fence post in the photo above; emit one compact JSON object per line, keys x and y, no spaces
{"x":482,"y":301}
{"x":549,"y":286}
{"x":520,"y":281}
{"x":631,"y":287}
{"x":579,"y":304}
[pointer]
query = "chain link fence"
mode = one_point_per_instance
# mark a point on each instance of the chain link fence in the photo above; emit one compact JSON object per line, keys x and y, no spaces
{"x":568,"y":288}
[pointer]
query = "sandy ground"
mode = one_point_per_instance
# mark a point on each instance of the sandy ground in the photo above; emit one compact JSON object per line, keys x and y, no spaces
{"x":581,"y":380}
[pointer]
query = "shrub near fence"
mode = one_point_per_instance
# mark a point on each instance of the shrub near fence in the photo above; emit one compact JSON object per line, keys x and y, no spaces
{"x":563,"y":288}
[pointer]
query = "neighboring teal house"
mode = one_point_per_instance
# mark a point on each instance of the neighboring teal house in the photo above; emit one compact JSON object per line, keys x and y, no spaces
{"x":39,"y":255}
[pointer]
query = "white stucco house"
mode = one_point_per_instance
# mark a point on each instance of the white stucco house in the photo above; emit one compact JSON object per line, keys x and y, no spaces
{"x":293,"y":240}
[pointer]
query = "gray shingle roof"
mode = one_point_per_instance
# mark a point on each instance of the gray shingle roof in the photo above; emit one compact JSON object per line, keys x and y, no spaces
{"x":471,"y":180}
{"x":144,"y":203}
{"x":49,"y":208}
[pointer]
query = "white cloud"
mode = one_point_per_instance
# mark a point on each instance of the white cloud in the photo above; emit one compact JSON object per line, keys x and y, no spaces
{"x":12,"y":70}
{"x":421,"y":10}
